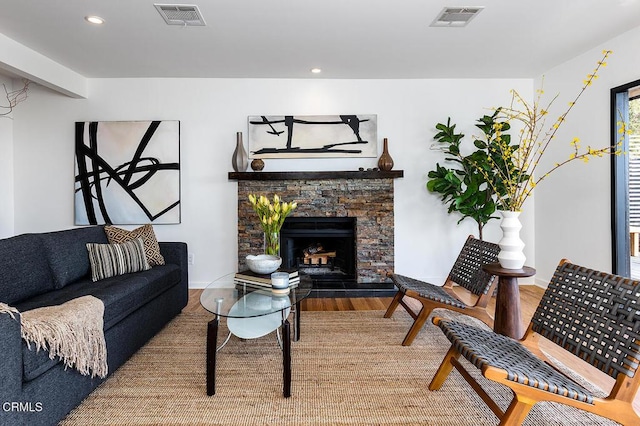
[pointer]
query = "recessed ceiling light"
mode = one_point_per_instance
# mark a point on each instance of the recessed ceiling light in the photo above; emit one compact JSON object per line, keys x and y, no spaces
{"x":94,"y":19}
{"x":316,"y":70}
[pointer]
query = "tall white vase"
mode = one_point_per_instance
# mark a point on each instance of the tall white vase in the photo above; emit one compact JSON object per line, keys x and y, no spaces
{"x":511,"y":255}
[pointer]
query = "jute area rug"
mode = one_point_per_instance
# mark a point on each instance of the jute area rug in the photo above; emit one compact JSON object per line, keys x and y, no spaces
{"x":349,"y":368}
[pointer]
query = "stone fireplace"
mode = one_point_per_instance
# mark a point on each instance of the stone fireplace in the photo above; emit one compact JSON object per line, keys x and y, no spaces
{"x":365,"y":198}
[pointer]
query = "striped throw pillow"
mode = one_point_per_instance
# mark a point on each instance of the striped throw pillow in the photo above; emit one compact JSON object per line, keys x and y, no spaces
{"x":109,"y":260}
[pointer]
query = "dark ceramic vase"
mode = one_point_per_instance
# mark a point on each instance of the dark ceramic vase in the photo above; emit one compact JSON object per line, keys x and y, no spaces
{"x":385,"y":162}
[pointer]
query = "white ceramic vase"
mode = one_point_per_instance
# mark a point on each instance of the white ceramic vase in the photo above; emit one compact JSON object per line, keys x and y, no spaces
{"x":511,"y":254}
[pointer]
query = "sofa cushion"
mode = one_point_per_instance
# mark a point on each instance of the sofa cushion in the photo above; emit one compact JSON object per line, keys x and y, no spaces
{"x":109,"y":260}
{"x":26,"y":272}
{"x":121,"y":295}
{"x":67,"y":252}
{"x":124,"y":294}
{"x":151,"y":246}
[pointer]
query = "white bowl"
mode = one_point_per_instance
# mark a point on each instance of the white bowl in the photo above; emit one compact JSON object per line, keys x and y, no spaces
{"x":263,"y":263}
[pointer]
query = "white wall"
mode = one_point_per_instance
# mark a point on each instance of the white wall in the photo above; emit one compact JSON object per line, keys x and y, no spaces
{"x":6,"y":165}
{"x":573,"y":208}
{"x":212,"y":110}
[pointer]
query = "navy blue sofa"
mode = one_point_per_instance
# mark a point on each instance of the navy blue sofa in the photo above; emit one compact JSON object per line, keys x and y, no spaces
{"x":51,"y":268}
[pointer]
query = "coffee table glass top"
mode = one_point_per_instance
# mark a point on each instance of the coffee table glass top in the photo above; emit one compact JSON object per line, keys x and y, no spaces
{"x":221,"y":297}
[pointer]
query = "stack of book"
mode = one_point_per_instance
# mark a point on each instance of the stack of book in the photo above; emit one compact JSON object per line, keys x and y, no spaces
{"x":264,"y":280}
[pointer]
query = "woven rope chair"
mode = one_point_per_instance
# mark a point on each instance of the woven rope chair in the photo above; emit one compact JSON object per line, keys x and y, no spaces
{"x":466,"y":272}
{"x":593,"y":315}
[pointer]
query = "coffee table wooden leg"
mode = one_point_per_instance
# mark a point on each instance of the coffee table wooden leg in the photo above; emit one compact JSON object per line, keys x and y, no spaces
{"x":286,"y":358}
{"x":212,"y":342}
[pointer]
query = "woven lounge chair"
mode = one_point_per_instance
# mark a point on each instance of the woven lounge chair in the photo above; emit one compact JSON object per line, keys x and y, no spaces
{"x":466,"y":272}
{"x":593,"y":315}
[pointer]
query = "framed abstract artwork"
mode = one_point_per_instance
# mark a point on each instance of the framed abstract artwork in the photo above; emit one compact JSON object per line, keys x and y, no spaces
{"x":313,"y":136}
{"x":127,"y":172}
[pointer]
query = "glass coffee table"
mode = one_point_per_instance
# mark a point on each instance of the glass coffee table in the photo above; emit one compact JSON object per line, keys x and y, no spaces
{"x":251,"y":312}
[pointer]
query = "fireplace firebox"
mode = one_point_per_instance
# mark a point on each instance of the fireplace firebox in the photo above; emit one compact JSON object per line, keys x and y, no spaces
{"x":322,"y":247}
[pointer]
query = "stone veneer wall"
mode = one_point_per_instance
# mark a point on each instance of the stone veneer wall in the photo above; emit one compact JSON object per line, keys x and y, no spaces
{"x":368,"y":200}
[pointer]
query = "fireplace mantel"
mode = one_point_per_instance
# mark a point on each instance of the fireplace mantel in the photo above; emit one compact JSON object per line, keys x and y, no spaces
{"x":347,"y":174}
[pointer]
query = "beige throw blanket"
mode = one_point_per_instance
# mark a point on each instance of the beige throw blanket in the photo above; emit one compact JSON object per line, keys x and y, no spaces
{"x":72,"y":331}
{"x":6,"y":309}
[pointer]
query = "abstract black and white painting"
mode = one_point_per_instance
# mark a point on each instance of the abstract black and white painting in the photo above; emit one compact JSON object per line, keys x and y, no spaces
{"x":127,"y":172}
{"x":299,"y":136}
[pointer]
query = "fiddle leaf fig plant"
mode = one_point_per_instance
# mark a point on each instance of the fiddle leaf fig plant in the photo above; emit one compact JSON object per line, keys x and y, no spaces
{"x":464,"y":186}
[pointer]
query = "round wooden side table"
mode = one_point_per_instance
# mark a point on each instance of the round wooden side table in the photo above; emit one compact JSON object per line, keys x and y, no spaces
{"x":508,"y":317}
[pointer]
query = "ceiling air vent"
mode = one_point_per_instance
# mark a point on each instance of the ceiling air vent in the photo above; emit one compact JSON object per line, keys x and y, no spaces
{"x":180,"y":14}
{"x":456,"y":16}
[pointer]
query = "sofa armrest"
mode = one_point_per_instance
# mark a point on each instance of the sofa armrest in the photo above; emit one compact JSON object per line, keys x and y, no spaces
{"x":176,"y":253}
{"x":11,"y":352}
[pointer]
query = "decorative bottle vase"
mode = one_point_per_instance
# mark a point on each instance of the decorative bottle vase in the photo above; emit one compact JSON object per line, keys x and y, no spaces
{"x":385,"y":162}
{"x":239,"y":161}
{"x":272,"y":243}
{"x":511,"y":246}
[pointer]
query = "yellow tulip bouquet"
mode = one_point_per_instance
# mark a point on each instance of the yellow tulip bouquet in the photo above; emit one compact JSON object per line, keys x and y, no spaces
{"x":272,"y":215}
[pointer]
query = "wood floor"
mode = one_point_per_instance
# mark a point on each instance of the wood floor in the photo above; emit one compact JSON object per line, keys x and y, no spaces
{"x":529,"y":296}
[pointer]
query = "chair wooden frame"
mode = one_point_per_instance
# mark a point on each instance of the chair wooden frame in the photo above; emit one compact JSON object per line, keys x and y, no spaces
{"x":616,"y":406}
{"x":466,"y":272}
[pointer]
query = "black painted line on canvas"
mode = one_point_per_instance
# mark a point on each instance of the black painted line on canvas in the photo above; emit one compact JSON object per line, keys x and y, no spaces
{"x":144,"y":142}
{"x":85,"y":186}
{"x":152,"y":169}
{"x":166,"y":210}
{"x":273,"y":130}
{"x":289,"y":121}
{"x":325,"y":148}
{"x":164,"y":166}
{"x":138,"y":183}
{"x":93,"y":146}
